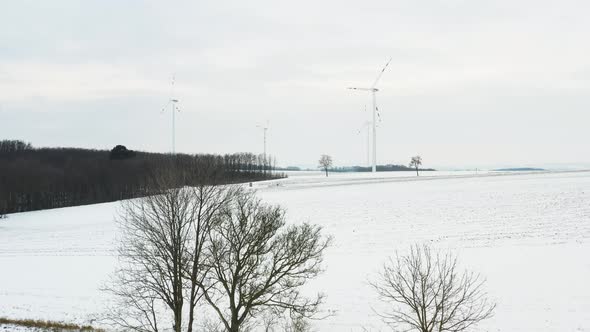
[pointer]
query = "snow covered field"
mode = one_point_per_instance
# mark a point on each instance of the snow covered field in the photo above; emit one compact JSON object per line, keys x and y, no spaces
{"x":528,"y":234}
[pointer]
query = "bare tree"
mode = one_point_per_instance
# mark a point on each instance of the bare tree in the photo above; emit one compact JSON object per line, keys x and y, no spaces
{"x":275,"y":321}
{"x":428,"y":294}
{"x":210,"y":200}
{"x":259,"y":264}
{"x":297,"y":324}
{"x":325,"y":162}
{"x":161,"y":253}
{"x":416,"y":162}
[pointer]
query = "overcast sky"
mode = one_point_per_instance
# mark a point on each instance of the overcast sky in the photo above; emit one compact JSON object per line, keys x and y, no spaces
{"x":471,"y":83}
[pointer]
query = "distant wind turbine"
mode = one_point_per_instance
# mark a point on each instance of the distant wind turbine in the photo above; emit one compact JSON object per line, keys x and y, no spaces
{"x":265,"y":129}
{"x":374,"y":89}
{"x":173,"y":103}
{"x":265,"y":161}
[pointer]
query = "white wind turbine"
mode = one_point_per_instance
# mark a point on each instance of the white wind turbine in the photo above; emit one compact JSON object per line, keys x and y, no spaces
{"x":265,"y":129}
{"x":173,"y":103}
{"x":373,"y":89}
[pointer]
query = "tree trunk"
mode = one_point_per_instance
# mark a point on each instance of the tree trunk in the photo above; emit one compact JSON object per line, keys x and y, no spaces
{"x":326,"y":171}
{"x":191,"y":313}
{"x":177,"y":321}
{"x":417,"y":172}
{"x":235,"y":324}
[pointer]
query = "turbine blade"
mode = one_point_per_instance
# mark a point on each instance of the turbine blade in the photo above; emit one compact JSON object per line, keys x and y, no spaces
{"x":172,"y":85}
{"x":165,"y":107}
{"x":381,"y":74}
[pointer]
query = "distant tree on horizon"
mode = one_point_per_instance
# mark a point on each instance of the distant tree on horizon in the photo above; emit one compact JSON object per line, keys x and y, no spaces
{"x":325,"y":162}
{"x":120,"y":152}
{"x":416,"y":162}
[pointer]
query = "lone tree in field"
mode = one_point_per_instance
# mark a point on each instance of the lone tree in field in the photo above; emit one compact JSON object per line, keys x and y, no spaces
{"x":161,"y":254}
{"x":416,"y":162}
{"x":258,"y":264}
{"x":325,"y":162}
{"x":427,"y":293}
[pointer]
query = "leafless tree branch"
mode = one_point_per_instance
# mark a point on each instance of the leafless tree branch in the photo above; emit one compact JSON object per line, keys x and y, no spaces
{"x":258,"y":263}
{"x":427,"y":293}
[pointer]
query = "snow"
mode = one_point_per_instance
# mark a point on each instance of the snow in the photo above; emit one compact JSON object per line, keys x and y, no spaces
{"x":528,"y":234}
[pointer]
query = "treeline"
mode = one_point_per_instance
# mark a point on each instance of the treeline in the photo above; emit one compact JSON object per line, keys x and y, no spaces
{"x":45,"y":178}
{"x":380,"y":168}
{"x":9,"y":146}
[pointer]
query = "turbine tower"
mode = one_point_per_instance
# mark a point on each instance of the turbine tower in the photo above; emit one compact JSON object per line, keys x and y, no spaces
{"x":373,"y":89}
{"x":173,"y":103}
{"x":367,"y":125}
{"x":264,"y":128}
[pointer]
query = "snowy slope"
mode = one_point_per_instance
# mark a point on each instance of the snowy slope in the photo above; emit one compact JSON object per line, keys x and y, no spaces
{"x":528,"y":234}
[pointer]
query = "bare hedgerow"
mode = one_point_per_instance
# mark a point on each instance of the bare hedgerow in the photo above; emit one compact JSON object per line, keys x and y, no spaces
{"x":427,"y":293}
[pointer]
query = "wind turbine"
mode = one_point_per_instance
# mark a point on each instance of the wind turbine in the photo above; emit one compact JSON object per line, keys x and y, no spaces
{"x":373,"y":89}
{"x":173,"y":103}
{"x":264,"y":129}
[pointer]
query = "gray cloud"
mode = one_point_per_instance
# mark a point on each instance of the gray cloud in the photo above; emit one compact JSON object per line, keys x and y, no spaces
{"x":471,"y":82}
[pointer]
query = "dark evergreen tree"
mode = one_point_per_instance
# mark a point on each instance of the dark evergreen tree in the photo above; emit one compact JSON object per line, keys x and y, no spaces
{"x":120,"y":152}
